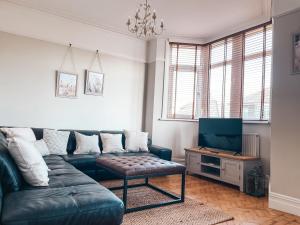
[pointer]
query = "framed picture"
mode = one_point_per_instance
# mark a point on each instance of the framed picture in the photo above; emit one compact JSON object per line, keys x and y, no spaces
{"x":94,"y":83}
{"x":296,"y":53}
{"x":66,"y":84}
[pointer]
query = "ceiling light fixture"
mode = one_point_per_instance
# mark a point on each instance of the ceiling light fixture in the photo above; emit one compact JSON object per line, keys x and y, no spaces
{"x":144,"y":22}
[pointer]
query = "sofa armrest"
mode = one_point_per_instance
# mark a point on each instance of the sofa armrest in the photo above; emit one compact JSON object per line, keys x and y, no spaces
{"x":163,"y":153}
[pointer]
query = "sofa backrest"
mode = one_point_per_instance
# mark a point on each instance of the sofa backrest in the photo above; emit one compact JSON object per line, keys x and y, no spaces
{"x":71,"y":147}
{"x":72,"y":140}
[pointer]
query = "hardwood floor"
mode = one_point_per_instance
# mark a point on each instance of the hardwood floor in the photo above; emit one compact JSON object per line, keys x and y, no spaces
{"x":245,"y":209}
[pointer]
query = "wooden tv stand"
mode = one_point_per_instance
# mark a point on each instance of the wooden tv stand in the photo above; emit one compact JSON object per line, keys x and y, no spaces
{"x":220,"y":165}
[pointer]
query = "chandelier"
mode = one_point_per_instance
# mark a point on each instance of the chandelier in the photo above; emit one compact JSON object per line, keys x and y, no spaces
{"x":144,"y":22}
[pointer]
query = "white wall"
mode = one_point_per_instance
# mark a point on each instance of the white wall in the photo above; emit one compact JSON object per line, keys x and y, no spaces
{"x":33,"y":23}
{"x":27,"y":88}
{"x":285,"y":129}
{"x":280,"y":7}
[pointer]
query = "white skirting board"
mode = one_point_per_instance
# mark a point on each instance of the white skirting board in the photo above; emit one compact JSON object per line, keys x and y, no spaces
{"x":284,"y":203}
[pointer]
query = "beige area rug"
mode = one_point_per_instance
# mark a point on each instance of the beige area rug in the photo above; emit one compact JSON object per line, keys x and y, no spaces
{"x":191,"y":212}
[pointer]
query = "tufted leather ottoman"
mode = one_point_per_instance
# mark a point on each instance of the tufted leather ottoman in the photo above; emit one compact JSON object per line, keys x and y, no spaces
{"x":136,"y":167}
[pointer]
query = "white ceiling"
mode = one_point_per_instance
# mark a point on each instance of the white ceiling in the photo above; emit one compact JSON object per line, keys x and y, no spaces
{"x":197,"y":19}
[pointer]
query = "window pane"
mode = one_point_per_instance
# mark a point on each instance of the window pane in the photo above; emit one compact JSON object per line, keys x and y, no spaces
{"x":269,"y":39}
{"x":227,"y":100}
{"x":184,"y":94}
{"x":229,"y":50}
{"x":215,"y":92}
{"x":210,"y":79}
{"x":252,"y":89}
{"x":217,"y":53}
{"x":173,"y":54}
{"x":186,"y":55}
{"x":254,"y":42}
{"x":267,"y":93}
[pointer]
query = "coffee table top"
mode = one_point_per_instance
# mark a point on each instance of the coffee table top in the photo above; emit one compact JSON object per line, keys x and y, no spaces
{"x":139,"y":166}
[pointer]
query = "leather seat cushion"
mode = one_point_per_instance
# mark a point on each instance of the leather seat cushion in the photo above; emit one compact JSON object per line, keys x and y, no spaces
{"x":82,"y":161}
{"x":139,"y":165}
{"x":63,"y":174}
{"x":89,"y":204}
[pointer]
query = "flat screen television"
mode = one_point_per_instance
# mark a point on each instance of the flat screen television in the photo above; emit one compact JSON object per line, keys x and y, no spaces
{"x":224,"y":134}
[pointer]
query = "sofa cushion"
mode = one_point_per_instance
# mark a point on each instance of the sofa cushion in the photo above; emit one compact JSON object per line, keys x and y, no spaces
{"x":71,"y":147}
{"x":111,"y":143}
{"x":42,"y":147}
{"x":72,"y":140}
{"x":19,"y":132}
{"x":10,"y":176}
{"x":82,"y":161}
{"x":56,"y":141}
{"x":86,"y":144}
{"x":29,"y":161}
{"x":63,"y":174}
{"x":136,"y":141}
{"x":89,"y":204}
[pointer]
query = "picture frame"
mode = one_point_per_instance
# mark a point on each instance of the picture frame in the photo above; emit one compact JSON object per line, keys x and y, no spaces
{"x":296,"y":54}
{"x":94,"y":82}
{"x":66,"y":85}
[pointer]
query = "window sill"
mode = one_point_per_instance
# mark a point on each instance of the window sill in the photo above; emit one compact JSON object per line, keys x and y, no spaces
{"x":195,"y":121}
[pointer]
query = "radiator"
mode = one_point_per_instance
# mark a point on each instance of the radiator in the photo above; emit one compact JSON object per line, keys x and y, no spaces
{"x":251,"y":145}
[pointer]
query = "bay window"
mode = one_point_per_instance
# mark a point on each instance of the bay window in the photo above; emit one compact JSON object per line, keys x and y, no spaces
{"x":228,"y":78}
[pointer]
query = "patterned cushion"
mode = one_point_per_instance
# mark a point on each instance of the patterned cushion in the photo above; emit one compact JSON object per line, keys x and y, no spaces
{"x":56,"y":141}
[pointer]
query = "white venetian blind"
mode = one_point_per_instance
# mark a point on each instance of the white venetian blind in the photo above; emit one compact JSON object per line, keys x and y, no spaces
{"x":225,"y":77}
{"x":184,"y":63}
{"x":228,"y":78}
{"x":257,"y":74}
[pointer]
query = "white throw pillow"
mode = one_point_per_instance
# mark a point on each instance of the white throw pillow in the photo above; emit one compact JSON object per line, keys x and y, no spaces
{"x":111,"y":142}
{"x":136,"y":141}
{"x":19,"y":132}
{"x":29,"y":161}
{"x":86,"y":144}
{"x":41,"y":146}
{"x":56,"y":141}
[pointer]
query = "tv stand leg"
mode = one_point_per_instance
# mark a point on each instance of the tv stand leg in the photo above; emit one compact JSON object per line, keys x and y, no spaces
{"x":241,"y":188}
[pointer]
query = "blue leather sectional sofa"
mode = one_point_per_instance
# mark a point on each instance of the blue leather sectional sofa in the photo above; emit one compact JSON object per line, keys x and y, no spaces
{"x":73,"y":197}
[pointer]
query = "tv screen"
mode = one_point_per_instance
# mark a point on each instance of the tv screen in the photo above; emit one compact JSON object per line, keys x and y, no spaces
{"x":225,"y":134}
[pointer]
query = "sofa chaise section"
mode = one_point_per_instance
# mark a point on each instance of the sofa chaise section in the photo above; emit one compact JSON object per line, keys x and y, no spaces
{"x":71,"y":197}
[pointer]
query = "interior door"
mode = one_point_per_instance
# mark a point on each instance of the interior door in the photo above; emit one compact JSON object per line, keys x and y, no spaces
{"x":230,"y":171}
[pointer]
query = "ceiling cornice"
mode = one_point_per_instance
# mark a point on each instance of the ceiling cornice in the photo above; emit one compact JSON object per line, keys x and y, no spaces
{"x":77,"y":19}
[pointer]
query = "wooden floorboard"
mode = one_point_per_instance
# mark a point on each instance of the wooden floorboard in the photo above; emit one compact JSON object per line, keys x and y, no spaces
{"x":246,"y":210}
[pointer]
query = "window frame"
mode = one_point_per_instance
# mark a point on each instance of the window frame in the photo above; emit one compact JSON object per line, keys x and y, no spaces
{"x":164,"y":112}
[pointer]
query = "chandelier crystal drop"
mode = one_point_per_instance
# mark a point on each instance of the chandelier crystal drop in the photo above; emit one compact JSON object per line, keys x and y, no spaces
{"x":143,"y":24}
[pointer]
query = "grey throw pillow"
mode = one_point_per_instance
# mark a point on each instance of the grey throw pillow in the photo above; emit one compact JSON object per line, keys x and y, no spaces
{"x":56,"y":141}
